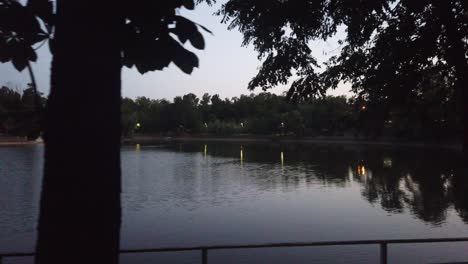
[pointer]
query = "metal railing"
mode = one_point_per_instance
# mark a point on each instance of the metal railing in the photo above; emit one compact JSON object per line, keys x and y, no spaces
{"x":204,"y":249}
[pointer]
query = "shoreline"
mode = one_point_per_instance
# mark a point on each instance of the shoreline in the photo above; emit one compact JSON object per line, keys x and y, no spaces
{"x":290,"y":140}
{"x":20,"y":143}
{"x":267,"y":140}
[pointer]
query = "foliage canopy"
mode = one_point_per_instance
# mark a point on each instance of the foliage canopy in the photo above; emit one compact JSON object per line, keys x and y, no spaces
{"x":390,"y":52}
{"x":153,"y":34}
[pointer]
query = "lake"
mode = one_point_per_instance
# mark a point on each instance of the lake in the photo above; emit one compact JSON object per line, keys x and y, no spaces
{"x":189,"y":194}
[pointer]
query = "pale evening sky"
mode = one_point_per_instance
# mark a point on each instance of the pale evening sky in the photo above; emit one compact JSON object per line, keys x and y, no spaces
{"x":225,"y":66}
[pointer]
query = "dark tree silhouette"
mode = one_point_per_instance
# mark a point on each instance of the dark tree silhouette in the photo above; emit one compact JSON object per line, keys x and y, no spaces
{"x":80,"y":203}
{"x":390,"y":52}
{"x":90,"y":41}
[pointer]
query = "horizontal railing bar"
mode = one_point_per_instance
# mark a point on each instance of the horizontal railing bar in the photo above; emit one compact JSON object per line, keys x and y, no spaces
{"x":299,"y":244}
{"x":17,"y":254}
{"x":272,"y":245}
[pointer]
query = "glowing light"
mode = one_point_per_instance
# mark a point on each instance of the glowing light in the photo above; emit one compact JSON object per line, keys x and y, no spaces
{"x":363,"y":107}
{"x":137,"y":147}
{"x":205,"y":150}
{"x":282,"y":158}
{"x":138,"y":125}
{"x":387,"y":162}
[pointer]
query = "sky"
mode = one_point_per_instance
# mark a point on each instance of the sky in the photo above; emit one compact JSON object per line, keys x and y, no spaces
{"x":225,"y":66}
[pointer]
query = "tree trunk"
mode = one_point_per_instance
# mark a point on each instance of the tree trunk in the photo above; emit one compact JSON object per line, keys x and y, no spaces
{"x":80,"y":203}
{"x":456,"y":58}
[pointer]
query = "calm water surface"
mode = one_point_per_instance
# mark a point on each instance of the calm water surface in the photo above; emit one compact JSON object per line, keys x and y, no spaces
{"x":228,"y":193}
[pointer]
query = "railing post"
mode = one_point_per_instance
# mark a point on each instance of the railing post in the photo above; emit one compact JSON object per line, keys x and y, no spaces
{"x":204,"y":256}
{"x":383,"y":253}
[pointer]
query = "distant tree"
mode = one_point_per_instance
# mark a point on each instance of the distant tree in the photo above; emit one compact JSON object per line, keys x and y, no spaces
{"x":32,"y":99}
{"x":128,"y":117}
{"x":18,"y":112}
{"x":293,"y":122}
{"x":205,"y":107}
{"x":10,"y":100}
{"x":187,"y":114}
{"x":10,"y":106}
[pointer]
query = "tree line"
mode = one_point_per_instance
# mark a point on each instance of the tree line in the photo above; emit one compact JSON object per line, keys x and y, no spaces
{"x":268,"y":113}
{"x":264,"y":113}
{"x":20,"y":113}
{"x":256,"y":114}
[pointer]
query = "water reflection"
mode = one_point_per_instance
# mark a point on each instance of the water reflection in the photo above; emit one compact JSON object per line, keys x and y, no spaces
{"x":361,"y":169}
{"x":423,"y":183}
{"x":19,"y":195}
{"x":184,"y":195}
{"x":282,"y":159}
{"x":419,"y":185}
{"x":241,"y":155}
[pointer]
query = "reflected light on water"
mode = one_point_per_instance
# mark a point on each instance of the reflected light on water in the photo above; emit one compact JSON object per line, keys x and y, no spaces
{"x":137,"y":147}
{"x":241,"y":154}
{"x":361,"y":170}
{"x":205,"y":150}
{"x":350,"y":175}
{"x":219,"y":201}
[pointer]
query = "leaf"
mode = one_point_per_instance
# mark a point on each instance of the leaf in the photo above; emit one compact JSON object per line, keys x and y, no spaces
{"x":4,"y":52}
{"x":39,"y":37}
{"x":189,"y":4}
{"x":186,"y":62}
{"x":187,"y":30}
{"x":204,"y":28}
{"x":183,"y":58}
{"x":51,"y":43}
{"x":19,"y":62}
{"x":184,"y":28}
{"x":197,"y":41}
{"x":156,"y":54}
{"x":30,"y":54}
{"x":43,"y":9}
{"x":148,"y":54}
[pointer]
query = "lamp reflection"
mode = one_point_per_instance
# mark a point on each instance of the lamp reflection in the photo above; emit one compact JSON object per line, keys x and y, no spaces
{"x":137,"y":147}
{"x":205,"y":150}
{"x":282,"y":159}
{"x":361,"y":170}
{"x":241,"y":155}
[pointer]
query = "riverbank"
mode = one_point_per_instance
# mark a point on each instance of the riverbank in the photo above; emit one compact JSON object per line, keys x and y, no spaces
{"x":143,"y":139}
{"x":19,"y":143}
{"x":147,"y":140}
{"x":14,"y":140}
